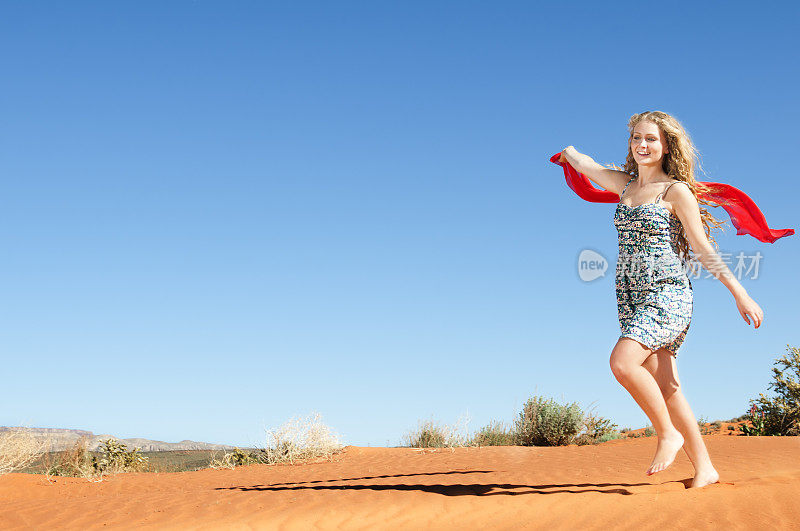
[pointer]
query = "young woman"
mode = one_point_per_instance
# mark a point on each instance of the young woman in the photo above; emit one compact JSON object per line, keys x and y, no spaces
{"x":657,"y":218}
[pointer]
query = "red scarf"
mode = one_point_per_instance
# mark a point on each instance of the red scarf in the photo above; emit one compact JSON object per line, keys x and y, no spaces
{"x":744,"y":213}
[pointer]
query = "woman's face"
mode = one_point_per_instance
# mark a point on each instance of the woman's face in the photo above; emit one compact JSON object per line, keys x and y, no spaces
{"x":647,"y":144}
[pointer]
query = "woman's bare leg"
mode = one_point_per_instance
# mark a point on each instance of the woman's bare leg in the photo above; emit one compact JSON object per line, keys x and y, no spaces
{"x":626,"y":364}
{"x":661,"y":364}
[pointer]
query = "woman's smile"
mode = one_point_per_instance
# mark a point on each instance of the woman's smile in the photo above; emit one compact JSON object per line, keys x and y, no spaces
{"x":646,"y":142}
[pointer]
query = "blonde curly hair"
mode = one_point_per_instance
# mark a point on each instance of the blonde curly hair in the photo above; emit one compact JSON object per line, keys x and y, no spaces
{"x":679,"y":164}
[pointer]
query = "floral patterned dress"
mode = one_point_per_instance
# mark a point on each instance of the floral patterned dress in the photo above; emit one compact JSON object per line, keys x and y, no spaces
{"x":654,"y":292}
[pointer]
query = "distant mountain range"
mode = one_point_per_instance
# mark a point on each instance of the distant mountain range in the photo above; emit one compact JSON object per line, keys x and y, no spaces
{"x":61,"y":439}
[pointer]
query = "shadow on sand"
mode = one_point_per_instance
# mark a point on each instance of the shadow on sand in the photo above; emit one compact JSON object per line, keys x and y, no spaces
{"x":462,"y":489}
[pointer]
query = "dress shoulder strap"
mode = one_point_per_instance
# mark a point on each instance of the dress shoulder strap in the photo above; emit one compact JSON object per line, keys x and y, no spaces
{"x":661,"y":195}
{"x":626,"y":186}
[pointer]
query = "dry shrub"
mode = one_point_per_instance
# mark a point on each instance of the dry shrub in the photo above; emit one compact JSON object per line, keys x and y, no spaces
{"x":18,"y":449}
{"x":75,"y":461}
{"x":299,"y":439}
{"x":596,"y":429}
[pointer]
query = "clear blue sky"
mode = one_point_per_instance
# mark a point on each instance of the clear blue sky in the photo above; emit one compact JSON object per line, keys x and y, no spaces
{"x":220,"y":215}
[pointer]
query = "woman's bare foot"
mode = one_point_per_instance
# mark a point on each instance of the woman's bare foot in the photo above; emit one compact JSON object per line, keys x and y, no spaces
{"x":668,"y":446}
{"x":704,"y":477}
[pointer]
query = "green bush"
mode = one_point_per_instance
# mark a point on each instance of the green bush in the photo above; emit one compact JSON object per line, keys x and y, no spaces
{"x":779,"y":414}
{"x":544,"y":422}
{"x":115,"y":457}
{"x":239,"y":457}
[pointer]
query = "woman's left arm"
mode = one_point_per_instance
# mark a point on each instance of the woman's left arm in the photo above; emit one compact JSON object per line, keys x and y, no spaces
{"x":688,"y":211}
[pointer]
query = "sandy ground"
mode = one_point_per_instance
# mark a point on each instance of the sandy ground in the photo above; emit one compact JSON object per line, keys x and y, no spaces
{"x":401,"y":488}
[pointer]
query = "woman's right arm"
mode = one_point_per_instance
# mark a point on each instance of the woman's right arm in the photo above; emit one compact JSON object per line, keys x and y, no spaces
{"x":611,"y":180}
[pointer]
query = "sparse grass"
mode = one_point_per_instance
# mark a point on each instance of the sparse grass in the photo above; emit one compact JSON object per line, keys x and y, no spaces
{"x":433,"y":434}
{"x":635,"y":434}
{"x":179,"y":460}
{"x":157,"y":461}
{"x":496,"y":433}
{"x":231,"y":460}
{"x":18,"y":449}
{"x":542,"y":422}
{"x":296,"y":440}
{"x":610,"y":436}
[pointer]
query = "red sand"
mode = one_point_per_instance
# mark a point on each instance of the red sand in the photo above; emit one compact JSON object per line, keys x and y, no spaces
{"x":401,"y":488}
